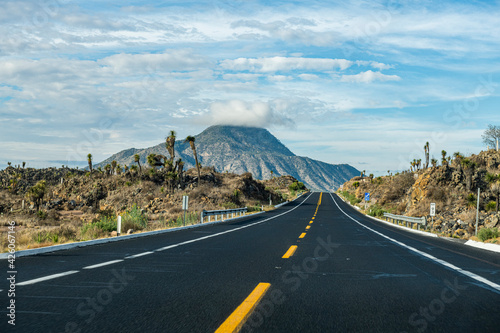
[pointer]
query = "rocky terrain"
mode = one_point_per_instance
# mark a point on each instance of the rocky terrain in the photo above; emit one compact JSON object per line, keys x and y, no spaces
{"x":452,"y":187}
{"x":78,"y":205}
{"x":247,"y":149}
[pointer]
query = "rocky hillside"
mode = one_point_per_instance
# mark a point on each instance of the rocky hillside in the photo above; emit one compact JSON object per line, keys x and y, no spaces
{"x":453,"y":187}
{"x":246,"y":149}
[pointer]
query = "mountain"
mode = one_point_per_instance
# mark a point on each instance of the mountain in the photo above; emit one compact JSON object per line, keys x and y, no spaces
{"x":247,"y":149}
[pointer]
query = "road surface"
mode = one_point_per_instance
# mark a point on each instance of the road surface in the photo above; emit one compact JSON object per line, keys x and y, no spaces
{"x":314,"y":265}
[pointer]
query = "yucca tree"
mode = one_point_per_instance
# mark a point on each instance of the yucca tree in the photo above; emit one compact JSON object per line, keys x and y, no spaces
{"x":443,"y":157}
{"x":434,"y":162}
{"x":24,"y":164}
{"x":36,"y":193}
{"x":494,"y":182}
{"x":107,"y":168}
{"x":191,"y":139}
{"x":89,"y":160}
{"x":137,"y":159}
{"x":426,"y":150}
{"x":468,"y":167}
{"x":113,"y":166}
{"x":170,"y":145}
{"x":151,"y":159}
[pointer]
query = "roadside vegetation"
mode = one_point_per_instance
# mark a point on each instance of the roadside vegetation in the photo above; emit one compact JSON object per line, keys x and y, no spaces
{"x":452,"y":183}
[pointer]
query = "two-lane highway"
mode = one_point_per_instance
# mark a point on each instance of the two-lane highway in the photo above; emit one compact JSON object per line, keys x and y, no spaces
{"x":315,"y":265}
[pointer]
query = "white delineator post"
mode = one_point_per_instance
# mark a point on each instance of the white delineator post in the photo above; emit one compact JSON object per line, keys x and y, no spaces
{"x":477,"y":209}
{"x":119,"y":225}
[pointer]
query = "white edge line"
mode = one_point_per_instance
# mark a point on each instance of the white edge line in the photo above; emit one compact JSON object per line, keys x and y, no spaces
{"x":103,"y":264}
{"x":424,"y":254}
{"x":49,"y":277}
{"x":423,"y":233}
{"x":232,"y":230}
{"x":60,"y":247}
{"x":139,"y":255}
{"x":484,"y":246}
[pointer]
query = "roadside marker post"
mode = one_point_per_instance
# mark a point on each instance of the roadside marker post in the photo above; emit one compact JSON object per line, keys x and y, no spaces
{"x":367,"y":198}
{"x":477,"y":208}
{"x":185,"y":201}
{"x":119,"y":225}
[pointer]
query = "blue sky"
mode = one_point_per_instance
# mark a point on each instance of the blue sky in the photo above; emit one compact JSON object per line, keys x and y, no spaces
{"x":359,"y":82}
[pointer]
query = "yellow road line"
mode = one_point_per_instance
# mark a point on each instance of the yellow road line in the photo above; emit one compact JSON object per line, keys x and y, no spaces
{"x":237,"y":319}
{"x":290,"y":252}
{"x":311,"y":222}
{"x":308,"y":227}
{"x":302,"y":235}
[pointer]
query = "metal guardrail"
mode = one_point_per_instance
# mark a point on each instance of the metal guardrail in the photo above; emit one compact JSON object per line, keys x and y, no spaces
{"x":408,"y":219}
{"x":221,"y":213}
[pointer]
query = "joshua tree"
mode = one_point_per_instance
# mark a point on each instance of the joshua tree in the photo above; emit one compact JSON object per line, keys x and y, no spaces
{"x":434,"y":162}
{"x":36,"y":193}
{"x":113,"y":166}
{"x":89,"y":160}
{"x":137,"y":160}
{"x":191,"y":139}
{"x":24,"y":164}
{"x":107,"y":168}
{"x":170,"y":145}
{"x":443,"y":157}
{"x":118,"y":169}
{"x":494,"y":181}
{"x":9,"y":163}
{"x":426,"y":149}
{"x":468,"y":167}
{"x":151,"y":160}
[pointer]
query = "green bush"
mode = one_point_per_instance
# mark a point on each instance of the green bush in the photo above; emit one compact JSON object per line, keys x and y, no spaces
{"x":134,"y":219}
{"x":486,"y":233}
{"x":471,"y":200}
{"x":376,"y":210}
{"x":350,"y":197}
{"x":491,"y":206}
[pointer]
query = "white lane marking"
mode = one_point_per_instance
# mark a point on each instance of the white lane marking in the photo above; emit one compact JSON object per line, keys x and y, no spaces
{"x":232,"y":230}
{"x":439,"y":261}
{"x":139,"y":255}
{"x":45,"y":278}
{"x":103,"y":264}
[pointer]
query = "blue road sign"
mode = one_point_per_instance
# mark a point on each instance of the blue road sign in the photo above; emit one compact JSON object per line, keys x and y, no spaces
{"x":367,"y":196}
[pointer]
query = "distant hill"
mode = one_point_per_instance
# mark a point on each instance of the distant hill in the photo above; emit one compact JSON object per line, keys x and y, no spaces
{"x":247,"y":149}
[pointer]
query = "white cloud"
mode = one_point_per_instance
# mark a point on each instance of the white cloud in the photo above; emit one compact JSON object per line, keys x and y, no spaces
{"x":241,"y":113}
{"x":368,"y":77}
{"x":284,"y":64}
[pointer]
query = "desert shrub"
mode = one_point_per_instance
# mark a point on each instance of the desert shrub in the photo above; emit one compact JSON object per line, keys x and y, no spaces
{"x":355,"y":184}
{"x":229,"y":205}
{"x":487,"y":233}
{"x":471,"y":200}
{"x":350,"y":197}
{"x":134,"y":219}
{"x":491,"y":206}
{"x":42,"y":215}
{"x":106,"y":223}
{"x":436,"y":193}
{"x":376,"y":210}
{"x":247,"y":175}
{"x":191,"y":218}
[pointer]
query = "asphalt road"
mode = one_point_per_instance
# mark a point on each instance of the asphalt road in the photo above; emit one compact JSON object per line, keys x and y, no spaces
{"x":348,"y":273}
